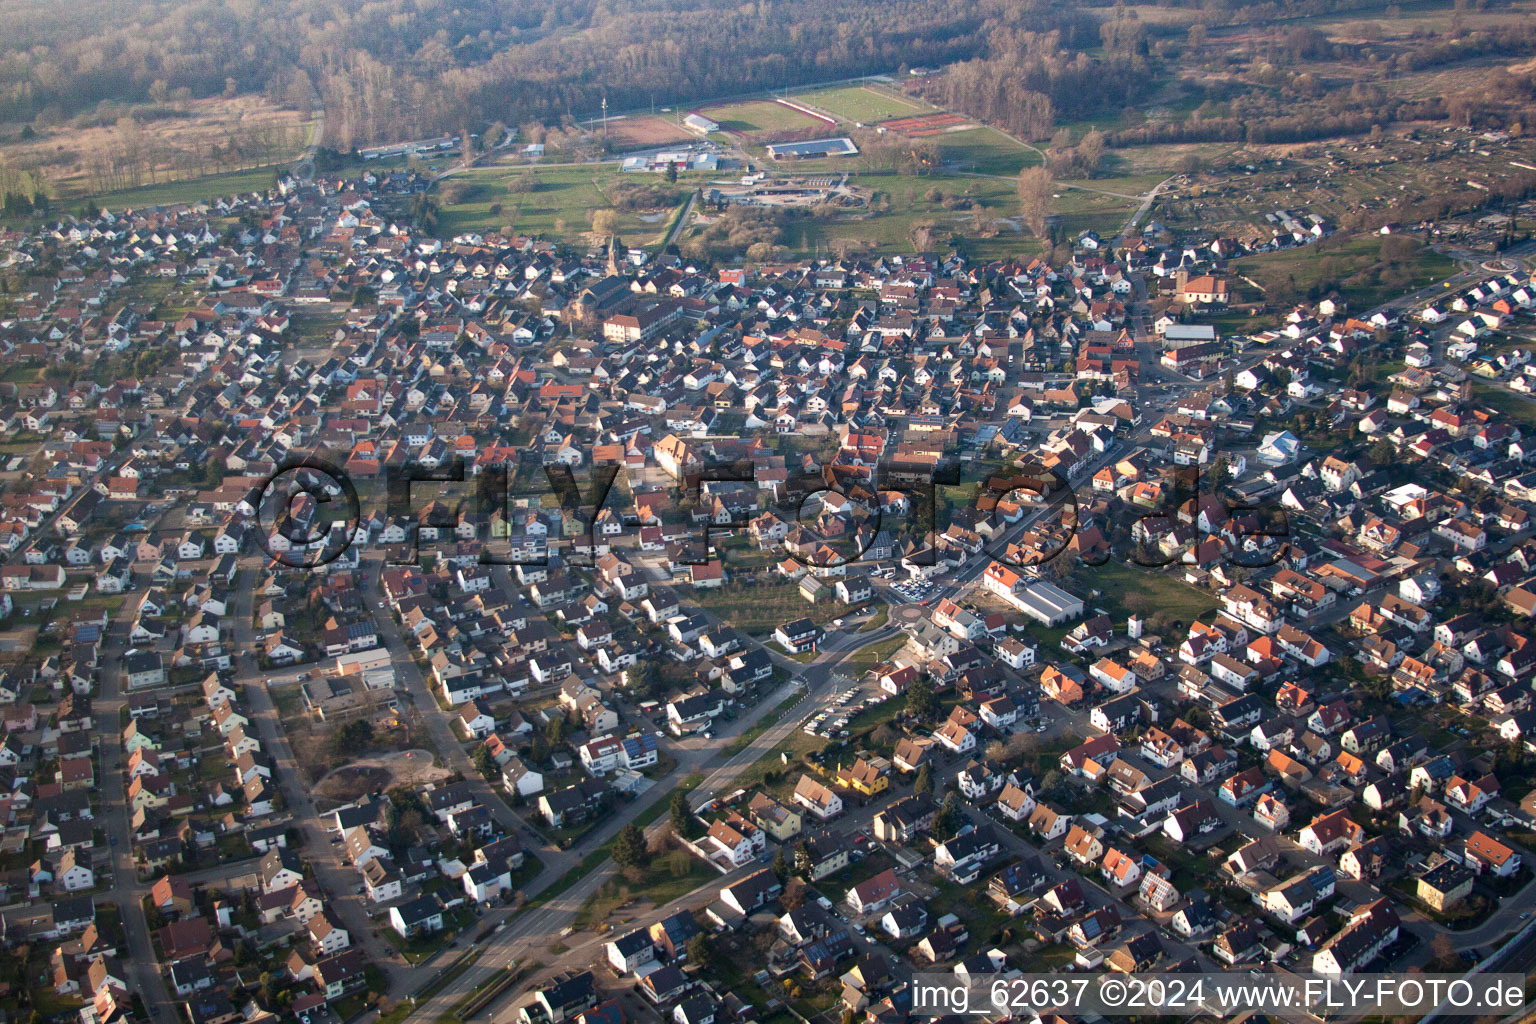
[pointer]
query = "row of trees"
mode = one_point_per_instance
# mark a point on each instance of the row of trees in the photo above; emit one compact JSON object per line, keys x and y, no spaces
{"x":136,"y":159}
{"x":23,"y":191}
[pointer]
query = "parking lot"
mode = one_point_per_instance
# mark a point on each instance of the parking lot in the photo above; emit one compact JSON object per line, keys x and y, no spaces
{"x":909,"y":591}
{"x":844,"y":707}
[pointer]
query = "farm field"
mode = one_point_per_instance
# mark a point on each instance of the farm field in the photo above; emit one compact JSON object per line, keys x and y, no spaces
{"x":762,"y":119}
{"x":927,"y":125}
{"x":863,"y":103}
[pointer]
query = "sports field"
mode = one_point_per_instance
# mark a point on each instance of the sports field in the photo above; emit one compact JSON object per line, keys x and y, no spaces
{"x":635,"y":132}
{"x":864,"y":104}
{"x":763,"y":118}
{"x":927,"y":125}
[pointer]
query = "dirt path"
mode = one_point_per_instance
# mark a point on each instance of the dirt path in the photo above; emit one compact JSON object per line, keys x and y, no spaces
{"x":410,"y":768}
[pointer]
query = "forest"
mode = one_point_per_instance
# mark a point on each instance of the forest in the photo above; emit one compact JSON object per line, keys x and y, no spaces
{"x":392,"y":69}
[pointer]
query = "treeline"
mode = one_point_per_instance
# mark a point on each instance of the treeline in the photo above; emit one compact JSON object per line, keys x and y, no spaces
{"x":650,"y":51}
{"x":1240,"y":12}
{"x":634,"y":195}
{"x":22,"y":191}
{"x":392,"y":69}
{"x":1274,"y":103}
{"x":1456,"y":45}
{"x":387,"y":70}
{"x":892,"y":152}
{"x":1303,"y":126}
{"x":1027,"y":96}
{"x":756,"y":232}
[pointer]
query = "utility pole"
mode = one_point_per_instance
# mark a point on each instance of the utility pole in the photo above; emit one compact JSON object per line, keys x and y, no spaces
{"x":605,"y":120}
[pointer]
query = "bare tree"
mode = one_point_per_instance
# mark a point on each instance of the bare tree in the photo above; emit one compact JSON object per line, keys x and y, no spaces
{"x":604,"y":222}
{"x":1035,"y":199}
{"x":131,"y":138}
{"x":1090,"y":152}
{"x":923,"y":235}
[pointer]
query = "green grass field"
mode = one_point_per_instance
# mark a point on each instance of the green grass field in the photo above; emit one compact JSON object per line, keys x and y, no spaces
{"x":193,"y":190}
{"x":866,"y":658}
{"x":1518,"y":408}
{"x":1127,"y":184}
{"x":761,"y":117}
{"x":665,"y":877}
{"x":902,"y":202}
{"x":860,"y":103}
{"x":983,"y":151}
{"x":1086,"y":205}
{"x":559,"y":206}
{"x":1132,"y":588}
{"x":1352,"y":265}
{"x":1092,"y":211}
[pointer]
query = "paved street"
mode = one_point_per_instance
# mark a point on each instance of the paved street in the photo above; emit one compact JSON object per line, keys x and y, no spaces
{"x":127,"y":892}
{"x":334,"y":878}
